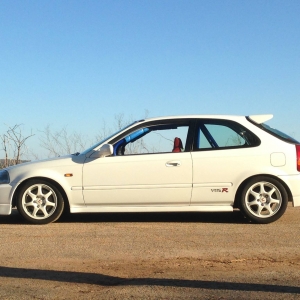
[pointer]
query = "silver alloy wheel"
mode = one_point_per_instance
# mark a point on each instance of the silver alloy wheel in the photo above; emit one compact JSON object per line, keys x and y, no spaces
{"x":39,"y":201}
{"x":263,"y":199}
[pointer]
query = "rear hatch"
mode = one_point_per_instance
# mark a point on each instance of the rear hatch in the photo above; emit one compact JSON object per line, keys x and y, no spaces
{"x":258,"y":121}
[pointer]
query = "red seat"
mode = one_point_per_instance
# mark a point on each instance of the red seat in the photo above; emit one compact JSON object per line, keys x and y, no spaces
{"x":177,"y":145}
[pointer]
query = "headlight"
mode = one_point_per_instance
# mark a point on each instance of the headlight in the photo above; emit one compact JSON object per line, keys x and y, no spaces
{"x":4,"y":176}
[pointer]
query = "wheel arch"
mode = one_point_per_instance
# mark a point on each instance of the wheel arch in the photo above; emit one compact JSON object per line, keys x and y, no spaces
{"x":242,"y":185}
{"x":55,"y":183}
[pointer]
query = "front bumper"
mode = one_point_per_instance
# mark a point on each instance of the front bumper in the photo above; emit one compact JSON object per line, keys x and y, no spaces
{"x":5,"y":199}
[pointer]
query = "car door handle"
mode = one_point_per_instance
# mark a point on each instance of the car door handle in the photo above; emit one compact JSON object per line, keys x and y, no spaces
{"x":173,"y":163}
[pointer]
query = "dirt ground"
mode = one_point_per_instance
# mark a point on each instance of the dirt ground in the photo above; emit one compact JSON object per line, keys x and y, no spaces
{"x":151,"y":256}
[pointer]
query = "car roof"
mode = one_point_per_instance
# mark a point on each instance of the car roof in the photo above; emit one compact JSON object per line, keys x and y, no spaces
{"x":255,"y":118}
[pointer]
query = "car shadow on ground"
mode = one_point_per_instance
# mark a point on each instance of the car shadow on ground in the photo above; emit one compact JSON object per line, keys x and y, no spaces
{"x":178,"y":217}
{"x":106,"y":280}
{"x":234,"y":217}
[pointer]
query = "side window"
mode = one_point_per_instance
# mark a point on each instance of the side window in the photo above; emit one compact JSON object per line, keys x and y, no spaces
{"x":153,"y":139}
{"x":224,"y":134}
{"x":203,"y":141}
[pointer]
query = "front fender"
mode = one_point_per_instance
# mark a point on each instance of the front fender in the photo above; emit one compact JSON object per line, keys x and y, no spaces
{"x":67,"y":180}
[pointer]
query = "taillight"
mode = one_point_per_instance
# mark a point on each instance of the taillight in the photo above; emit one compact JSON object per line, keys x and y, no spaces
{"x":298,"y":157}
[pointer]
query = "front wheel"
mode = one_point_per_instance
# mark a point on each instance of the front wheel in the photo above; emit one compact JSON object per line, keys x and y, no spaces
{"x":40,"y":202}
{"x":263,"y":200}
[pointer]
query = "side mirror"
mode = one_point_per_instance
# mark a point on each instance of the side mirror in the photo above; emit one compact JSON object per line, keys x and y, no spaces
{"x":105,"y":150}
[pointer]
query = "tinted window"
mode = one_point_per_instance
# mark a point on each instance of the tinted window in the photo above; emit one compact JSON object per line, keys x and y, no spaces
{"x":279,"y":134}
{"x":215,"y":134}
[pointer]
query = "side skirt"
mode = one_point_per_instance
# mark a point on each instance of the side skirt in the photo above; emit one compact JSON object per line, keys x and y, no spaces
{"x":97,"y":208}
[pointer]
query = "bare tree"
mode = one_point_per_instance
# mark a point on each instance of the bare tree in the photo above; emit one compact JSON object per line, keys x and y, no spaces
{"x":61,"y":142}
{"x":13,"y":145}
{"x":103,"y":132}
{"x":5,"y":144}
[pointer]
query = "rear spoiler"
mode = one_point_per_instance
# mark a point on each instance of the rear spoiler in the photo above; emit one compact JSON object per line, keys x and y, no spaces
{"x":258,"y":119}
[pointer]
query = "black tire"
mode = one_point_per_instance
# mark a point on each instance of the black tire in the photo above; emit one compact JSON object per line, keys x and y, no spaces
{"x":40,"y":202}
{"x":263,"y":200}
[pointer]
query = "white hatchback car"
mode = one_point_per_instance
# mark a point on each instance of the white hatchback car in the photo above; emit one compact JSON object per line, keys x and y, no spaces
{"x":182,"y":164}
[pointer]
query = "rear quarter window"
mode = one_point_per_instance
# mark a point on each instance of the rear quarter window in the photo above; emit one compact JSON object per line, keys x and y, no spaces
{"x":281,"y":135}
{"x":275,"y":132}
{"x":222,"y":134}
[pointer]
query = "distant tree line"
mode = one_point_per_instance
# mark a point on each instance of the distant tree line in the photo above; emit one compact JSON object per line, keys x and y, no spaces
{"x":55,"y":142}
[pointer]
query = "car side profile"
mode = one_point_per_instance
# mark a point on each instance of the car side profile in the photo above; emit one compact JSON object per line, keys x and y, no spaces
{"x":192,"y":163}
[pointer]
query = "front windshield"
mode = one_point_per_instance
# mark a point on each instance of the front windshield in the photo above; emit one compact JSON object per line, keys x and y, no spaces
{"x":106,"y":139}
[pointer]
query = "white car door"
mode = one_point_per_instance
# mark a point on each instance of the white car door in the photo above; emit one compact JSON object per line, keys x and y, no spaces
{"x":220,"y":159}
{"x":149,"y":174}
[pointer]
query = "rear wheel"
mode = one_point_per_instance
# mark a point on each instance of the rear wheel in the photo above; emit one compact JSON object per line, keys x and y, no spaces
{"x":263,"y":200}
{"x":40,"y":202}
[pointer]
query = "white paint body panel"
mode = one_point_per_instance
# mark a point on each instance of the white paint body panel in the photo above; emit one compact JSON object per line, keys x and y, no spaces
{"x":214,"y":170}
{"x":138,"y":180}
{"x":53,"y":169}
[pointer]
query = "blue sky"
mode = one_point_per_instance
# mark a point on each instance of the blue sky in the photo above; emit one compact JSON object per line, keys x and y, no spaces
{"x":79,"y":63}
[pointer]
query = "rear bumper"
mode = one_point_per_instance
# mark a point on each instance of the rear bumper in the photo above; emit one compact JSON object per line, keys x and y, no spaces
{"x":296,"y":201}
{"x":293,"y":182}
{"x":5,"y":199}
